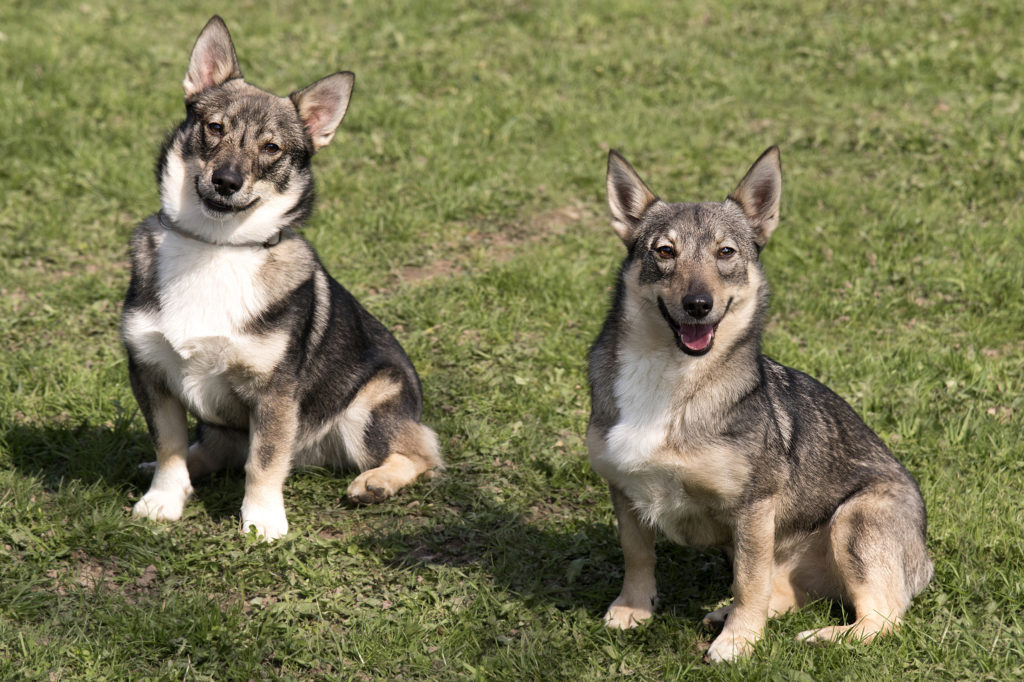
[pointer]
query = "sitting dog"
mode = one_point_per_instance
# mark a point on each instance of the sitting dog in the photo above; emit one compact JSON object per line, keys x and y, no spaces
{"x":231,"y":317}
{"x":705,"y":439}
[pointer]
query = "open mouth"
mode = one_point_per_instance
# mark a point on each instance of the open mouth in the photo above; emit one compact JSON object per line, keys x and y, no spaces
{"x":692,"y":339}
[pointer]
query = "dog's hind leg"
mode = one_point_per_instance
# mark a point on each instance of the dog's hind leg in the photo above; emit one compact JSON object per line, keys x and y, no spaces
{"x":217,"y":448}
{"x":413,"y":451}
{"x":877,"y":545}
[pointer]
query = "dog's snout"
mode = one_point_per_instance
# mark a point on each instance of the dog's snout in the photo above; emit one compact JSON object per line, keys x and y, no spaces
{"x":227,"y":180}
{"x":698,"y":305}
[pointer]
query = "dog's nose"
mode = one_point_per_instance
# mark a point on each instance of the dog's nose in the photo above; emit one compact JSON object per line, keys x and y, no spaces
{"x":698,"y":305}
{"x":227,"y":181}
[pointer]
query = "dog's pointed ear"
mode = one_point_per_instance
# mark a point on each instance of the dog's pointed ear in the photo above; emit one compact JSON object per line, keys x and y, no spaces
{"x":323,"y":104}
{"x":628,"y":197}
{"x":759,"y":193}
{"x":213,"y":59}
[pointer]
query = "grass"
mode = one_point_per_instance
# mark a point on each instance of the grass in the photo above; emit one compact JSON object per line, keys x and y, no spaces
{"x":462,"y":201}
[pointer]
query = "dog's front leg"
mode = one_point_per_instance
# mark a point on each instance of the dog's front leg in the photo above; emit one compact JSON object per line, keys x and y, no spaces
{"x":753,"y":559}
{"x":273,"y":423}
{"x":168,"y":427}
{"x":635,"y":603}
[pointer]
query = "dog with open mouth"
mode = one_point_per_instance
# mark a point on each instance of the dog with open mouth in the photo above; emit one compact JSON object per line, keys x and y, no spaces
{"x":707,"y":441}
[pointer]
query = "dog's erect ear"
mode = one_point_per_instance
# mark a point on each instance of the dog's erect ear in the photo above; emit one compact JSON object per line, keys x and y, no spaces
{"x":323,"y":104}
{"x":213,"y":59}
{"x":758,"y":194}
{"x":628,"y":197}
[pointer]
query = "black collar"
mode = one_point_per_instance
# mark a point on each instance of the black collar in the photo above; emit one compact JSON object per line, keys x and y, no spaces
{"x":170,"y":226}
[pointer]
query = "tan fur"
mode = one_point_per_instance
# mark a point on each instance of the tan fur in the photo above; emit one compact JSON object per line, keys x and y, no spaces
{"x":635,"y":602}
{"x":706,"y":440}
{"x":231,"y":317}
{"x":352,"y":422}
{"x":171,"y":485}
{"x":417,"y":451}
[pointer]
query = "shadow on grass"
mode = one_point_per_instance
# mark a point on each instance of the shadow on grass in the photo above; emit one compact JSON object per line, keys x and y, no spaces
{"x":89,"y":453}
{"x":108,"y":455}
{"x":565,"y":563}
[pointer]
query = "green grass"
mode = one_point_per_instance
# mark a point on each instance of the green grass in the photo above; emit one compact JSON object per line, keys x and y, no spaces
{"x":462,"y":201}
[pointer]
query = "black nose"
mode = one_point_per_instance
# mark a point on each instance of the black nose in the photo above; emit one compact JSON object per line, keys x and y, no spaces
{"x":227,"y":181}
{"x":698,"y":305}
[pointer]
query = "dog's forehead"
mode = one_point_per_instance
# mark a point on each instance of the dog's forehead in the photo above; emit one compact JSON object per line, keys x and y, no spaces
{"x":702,"y":221}
{"x":241,"y":101}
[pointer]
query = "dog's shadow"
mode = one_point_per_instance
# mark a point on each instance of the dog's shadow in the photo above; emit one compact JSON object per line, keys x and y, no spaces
{"x":91,"y":454}
{"x":106,"y":455}
{"x":564,"y":563}
{"x":561,"y":561}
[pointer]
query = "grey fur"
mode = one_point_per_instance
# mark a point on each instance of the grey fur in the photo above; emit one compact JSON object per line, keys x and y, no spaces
{"x":705,"y":439}
{"x":230,"y":315}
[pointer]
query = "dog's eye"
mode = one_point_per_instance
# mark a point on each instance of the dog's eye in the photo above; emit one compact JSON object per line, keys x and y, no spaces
{"x":666,"y":252}
{"x":215,"y":128}
{"x":271,"y":148}
{"x":726,"y":252}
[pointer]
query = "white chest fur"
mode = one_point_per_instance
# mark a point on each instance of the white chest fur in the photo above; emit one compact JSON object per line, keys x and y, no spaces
{"x":676,"y":479}
{"x":207,"y":297}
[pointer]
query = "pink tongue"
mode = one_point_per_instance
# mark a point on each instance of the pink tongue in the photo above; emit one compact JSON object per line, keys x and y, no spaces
{"x":696,"y":336}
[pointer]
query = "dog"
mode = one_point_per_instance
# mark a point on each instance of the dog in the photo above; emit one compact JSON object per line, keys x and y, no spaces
{"x":705,"y":439}
{"x":230,"y":315}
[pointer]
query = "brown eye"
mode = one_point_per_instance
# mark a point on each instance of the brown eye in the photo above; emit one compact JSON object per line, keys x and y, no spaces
{"x":726,"y":252}
{"x":666,"y":252}
{"x":271,"y":148}
{"x":215,"y":128}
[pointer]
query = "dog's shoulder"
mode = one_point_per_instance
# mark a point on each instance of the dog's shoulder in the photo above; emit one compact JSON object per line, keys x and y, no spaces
{"x":145,"y":241}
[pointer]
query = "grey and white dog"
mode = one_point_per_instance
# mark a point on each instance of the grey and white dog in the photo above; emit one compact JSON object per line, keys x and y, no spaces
{"x":231,"y":317}
{"x":706,"y":440}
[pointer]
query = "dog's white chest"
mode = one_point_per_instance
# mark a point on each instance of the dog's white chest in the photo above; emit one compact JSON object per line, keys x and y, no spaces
{"x":674,"y":483}
{"x":207,"y":297}
{"x":643,"y":394}
{"x":206,"y":292}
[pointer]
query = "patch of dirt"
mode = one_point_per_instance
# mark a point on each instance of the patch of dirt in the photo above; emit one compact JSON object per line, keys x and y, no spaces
{"x":501,"y":245}
{"x":85,"y":572}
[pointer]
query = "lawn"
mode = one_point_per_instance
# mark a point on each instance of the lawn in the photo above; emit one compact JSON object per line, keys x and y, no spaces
{"x":463,"y":202}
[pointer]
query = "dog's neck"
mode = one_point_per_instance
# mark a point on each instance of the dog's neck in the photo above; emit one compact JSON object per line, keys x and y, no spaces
{"x":171,"y":226}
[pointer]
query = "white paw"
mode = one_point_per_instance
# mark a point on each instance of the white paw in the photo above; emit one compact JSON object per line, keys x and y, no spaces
{"x":728,"y":647}
{"x":625,"y":617}
{"x":161,"y":505}
{"x":269,"y":521}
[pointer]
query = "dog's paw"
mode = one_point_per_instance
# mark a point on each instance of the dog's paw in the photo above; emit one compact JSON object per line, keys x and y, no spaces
{"x":623,"y":617}
{"x":716,"y":619}
{"x":728,"y":647}
{"x":269,"y":522}
{"x":371,"y":486}
{"x":161,"y":505}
